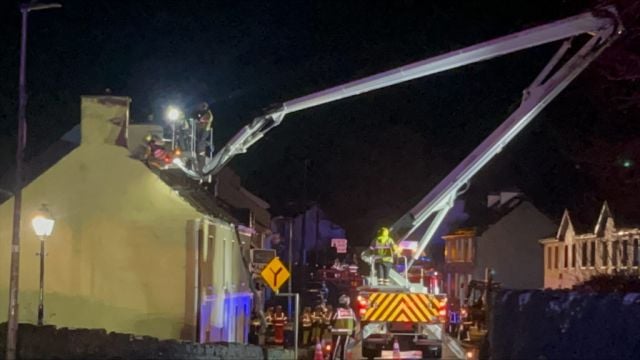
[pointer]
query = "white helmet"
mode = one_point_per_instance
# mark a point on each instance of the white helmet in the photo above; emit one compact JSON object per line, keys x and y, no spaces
{"x":344,"y":300}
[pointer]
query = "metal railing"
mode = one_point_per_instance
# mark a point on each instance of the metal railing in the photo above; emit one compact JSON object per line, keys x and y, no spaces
{"x":372,"y":278}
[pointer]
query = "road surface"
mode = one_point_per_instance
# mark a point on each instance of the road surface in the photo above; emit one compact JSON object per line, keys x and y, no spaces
{"x":451,"y":350}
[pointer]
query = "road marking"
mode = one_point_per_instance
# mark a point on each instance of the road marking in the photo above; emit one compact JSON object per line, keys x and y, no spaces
{"x":455,"y":348}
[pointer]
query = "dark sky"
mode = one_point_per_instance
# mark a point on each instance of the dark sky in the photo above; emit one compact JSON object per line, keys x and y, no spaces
{"x":367,"y":159}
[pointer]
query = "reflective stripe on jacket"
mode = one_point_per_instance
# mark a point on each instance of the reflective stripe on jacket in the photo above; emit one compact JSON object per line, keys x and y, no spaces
{"x":344,"y":321}
{"x":306,"y":320}
{"x":384,"y":246}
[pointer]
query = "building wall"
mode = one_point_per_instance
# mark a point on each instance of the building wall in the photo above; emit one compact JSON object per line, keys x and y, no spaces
{"x":571,"y":258}
{"x":118,"y":256}
{"x":511,"y":248}
{"x":224,"y":294}
{"x":459,"y":256}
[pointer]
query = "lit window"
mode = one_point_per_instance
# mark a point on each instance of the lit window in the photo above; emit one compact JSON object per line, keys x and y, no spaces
{"x":635,"y":252}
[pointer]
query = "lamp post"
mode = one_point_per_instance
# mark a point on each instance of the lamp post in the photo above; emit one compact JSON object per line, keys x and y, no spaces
{"x":12,"y":323}
{"x":43,"y":226}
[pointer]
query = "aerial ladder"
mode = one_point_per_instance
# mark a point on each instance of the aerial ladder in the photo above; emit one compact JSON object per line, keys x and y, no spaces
{"x":583,"y":38}
{"x":602,"y":26}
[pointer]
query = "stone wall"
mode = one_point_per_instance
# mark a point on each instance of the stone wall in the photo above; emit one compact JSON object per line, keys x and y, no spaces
{"x":564,"y":325}
{"x":49,"y":342}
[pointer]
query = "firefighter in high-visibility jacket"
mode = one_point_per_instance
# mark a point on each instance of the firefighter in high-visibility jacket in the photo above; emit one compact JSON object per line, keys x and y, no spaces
{"x":279,"y":321}
{"x":307,"y":322}
{"x":326,"y":322}
{"x":316,"y":328}
{"x":156,"y":155}
{"x":268,"y":316}
{"x":343,"y":327}
{"x":384,"y":247}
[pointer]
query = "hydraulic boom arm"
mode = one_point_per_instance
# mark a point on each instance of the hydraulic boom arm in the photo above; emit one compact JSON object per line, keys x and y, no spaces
{"x":556,"y":75}
{"x":603,"y":26}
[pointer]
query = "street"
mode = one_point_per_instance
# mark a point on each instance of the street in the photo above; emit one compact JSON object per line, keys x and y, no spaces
{"x":451,"y":350}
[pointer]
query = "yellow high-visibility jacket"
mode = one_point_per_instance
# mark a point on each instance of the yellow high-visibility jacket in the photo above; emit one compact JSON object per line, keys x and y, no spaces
{"x":385,"y":247}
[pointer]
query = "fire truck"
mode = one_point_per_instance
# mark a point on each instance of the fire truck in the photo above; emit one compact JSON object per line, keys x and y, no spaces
{"x":407,"y":313}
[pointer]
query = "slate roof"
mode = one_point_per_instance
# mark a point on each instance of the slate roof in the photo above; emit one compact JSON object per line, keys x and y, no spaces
{"x":200,"y":197}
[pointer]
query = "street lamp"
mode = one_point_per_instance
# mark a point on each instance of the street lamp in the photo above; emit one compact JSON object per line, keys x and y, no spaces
{"x":43,"y":226}
{"x":14,"y":277}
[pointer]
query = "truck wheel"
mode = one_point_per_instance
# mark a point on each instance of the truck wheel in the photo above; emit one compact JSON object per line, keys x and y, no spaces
{"x":370,"y":354}
{"x":428,"y":353}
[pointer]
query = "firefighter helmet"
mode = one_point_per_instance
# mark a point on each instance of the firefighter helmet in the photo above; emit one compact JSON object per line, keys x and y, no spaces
{"x":344,"y":300}
{"x":384,"y":231}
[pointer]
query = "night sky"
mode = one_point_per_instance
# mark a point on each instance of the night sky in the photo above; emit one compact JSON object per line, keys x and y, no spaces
{"x":365,"y":160}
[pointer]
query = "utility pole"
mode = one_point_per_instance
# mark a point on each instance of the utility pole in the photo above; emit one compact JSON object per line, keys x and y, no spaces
{"x":12,"y":323}
{"x":290,"y":223}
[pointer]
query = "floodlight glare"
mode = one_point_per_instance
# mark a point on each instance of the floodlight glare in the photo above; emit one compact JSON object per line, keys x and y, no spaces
{"x":173,"y":113}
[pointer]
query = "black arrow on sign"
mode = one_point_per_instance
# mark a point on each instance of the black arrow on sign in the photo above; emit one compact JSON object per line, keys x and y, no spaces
{"x":275,"y":276}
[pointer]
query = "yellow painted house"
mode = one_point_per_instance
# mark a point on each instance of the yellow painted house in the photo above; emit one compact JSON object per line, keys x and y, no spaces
{"x":128,"y":252}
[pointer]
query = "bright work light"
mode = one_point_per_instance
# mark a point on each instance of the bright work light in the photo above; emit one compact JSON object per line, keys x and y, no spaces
{"x":173,"y":113}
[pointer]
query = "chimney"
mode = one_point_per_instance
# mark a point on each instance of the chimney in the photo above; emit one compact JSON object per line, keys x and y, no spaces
{"x":505,"y":196}
{"x":496,"y":200}
{"x":493,"y":200}
{"x":104,"y":120}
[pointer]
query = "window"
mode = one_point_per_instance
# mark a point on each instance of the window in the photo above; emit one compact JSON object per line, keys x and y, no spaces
{"x":614,"y":253}
{"x":566,"y":256}
{"x":463,"y":251}
{"x":605,"y":254}
{"x":635,"y":252}
{"x":555,"y":259}
{"x":447,"y":251}
{"x":549,"y":257}
{"x":592,"y":253}
{"x":625,"y":252}
{"x":454,"y":250}
{"x":584,"y":254}
{"x":573,"y":255}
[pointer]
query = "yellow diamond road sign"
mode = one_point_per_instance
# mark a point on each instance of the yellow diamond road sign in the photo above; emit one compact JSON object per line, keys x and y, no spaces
{"x":275,"y":274}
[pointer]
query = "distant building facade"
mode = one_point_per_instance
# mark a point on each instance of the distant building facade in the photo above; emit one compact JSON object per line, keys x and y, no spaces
{"x":459,"y":258}
{"x":504,"y":238}
{"x":311,"y":233}
{"x":571,"y":257}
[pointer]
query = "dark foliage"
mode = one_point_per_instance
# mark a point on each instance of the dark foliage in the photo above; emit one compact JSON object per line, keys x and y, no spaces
{"x":611,"y":283}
